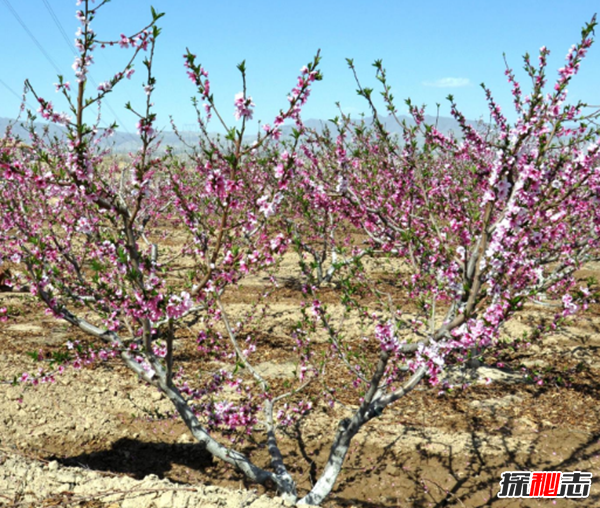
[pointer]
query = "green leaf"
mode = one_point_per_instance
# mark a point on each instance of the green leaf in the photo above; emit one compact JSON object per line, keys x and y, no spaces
{"x":156,"y":15}
{"x":96,"y":265}
{"x":33,"y":355}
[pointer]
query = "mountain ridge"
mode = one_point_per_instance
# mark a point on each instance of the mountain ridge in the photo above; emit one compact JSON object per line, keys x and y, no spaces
{"x":124,"y":142}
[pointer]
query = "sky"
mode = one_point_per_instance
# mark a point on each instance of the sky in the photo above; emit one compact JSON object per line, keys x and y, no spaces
{"x":430,"y":49}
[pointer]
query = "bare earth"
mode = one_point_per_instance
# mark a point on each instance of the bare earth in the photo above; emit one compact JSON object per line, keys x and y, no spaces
{"x":99,"y":438}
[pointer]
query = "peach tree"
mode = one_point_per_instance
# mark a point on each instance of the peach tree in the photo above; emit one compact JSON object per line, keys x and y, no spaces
{"x":132,"y":254}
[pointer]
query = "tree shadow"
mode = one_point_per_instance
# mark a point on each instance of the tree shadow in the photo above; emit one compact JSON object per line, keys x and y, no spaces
{"x":139,"y":459}
{"x":457,"y":477}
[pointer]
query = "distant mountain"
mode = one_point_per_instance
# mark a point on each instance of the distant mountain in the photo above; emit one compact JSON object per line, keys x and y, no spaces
{"x":124,"y":142}
{"x":445,"y":125}
{"x":19,"y":130}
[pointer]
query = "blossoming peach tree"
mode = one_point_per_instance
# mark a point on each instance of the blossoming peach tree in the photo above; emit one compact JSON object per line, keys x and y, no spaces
{"x":132,"y":255}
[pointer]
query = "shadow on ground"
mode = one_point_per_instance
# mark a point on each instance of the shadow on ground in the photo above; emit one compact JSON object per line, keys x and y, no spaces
{"x":449,"y":479}
{"x":139,"y":459}
{"x":416,"y":478}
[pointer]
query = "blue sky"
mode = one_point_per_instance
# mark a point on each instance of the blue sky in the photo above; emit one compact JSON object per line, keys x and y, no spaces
{"x":430,"y":49}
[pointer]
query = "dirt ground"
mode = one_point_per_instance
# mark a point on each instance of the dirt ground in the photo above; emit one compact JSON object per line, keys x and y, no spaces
{"x":100,"y":438}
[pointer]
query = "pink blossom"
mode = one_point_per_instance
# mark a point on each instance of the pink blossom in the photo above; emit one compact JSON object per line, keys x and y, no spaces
{"x":124,"y":41}
{"x":178,"y":305}
{"x":104,"y":86}
{"x":243,"y":106}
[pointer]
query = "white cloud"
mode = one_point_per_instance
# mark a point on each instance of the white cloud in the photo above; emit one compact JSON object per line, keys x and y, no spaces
{"x":448,"y":82}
